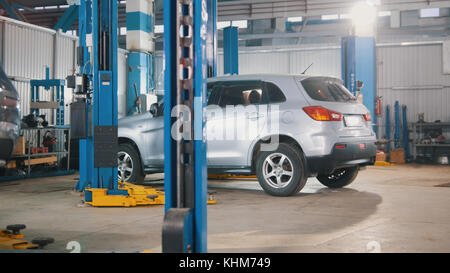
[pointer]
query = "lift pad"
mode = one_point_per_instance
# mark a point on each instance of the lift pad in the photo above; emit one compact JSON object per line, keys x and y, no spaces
{"x":128,"y":195}
{"x":10,"y":238}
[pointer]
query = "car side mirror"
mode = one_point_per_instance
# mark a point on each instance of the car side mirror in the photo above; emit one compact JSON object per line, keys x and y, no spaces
{"x":154,"y":109}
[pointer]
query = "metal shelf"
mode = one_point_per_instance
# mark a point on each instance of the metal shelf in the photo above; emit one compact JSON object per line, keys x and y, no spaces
{"x":418,"y":133}
{"x":432,"y":145}
{"x":31,"y":134}
{"x":39,"y":154}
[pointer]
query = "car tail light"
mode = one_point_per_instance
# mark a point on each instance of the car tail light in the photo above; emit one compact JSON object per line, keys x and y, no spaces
{"x":322,"y":114}
{"x":362,"y":146}
{"x":368,"y":117}
{"x":340,"y":146}
{"x":9,"y":102}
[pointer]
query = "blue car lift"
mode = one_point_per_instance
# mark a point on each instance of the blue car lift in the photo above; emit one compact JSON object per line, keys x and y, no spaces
{"x":185,"y":166}
{"x":98,"y":47}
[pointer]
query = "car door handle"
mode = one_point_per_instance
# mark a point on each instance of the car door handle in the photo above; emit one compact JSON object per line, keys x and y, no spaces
{"x":254,"y":116}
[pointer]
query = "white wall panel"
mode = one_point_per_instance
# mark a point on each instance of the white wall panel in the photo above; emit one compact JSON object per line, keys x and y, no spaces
{"x":27,"y":50}
{"x":413,"y":76}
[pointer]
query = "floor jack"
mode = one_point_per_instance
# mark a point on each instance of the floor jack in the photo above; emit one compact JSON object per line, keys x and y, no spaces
{"x":11,"y":238}
{"x":135,"y":195}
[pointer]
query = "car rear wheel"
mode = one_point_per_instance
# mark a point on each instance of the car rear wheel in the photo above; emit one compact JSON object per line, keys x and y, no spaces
{"x":129,"y":164}
{"x":339,"y":178}
{"x":281,"y":172}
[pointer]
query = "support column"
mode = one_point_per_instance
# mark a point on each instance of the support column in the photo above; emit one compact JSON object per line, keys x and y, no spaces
{"x":359,"y":64}
{"x":231,"y":50}
{"x":141,"y":47}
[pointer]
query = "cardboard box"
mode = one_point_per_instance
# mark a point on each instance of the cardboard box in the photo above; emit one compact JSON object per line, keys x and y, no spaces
{"x":381,"y":157}
{"x":20,"y":147}
{"x":398,"y":156}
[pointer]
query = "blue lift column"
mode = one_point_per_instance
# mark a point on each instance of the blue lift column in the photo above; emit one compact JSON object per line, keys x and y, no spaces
{"x":185,"y":167}
{"x":231,"y":50}
{"x":359,"y":64}
{"x":100,"y":149}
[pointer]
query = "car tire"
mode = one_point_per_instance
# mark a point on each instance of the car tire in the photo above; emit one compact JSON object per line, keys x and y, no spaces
{"x":339,"y":178}
{"x":279,"y":178}
{"x":129,"y":164}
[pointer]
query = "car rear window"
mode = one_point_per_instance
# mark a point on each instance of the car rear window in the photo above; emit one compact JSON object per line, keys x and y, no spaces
{"x":327,"y":89}
{"x":5,"y":83}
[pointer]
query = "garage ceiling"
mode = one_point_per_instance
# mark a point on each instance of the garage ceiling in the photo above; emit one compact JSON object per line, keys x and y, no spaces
{"x":231,"y":9}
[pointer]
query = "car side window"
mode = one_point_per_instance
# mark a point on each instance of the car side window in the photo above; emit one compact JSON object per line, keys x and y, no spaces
{"x":241,"y":93}
{"x":213,"y":93}
{"x":274,"y":93}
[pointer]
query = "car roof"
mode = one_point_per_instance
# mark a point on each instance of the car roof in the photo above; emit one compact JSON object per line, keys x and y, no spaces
{"x":259,"y":77}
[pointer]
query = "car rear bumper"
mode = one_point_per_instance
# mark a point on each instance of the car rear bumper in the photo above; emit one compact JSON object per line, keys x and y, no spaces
{"x":349,"y":154}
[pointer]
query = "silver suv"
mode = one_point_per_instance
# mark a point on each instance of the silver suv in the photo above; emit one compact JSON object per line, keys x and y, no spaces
{"x":9,"y":118}
{"x":282,"y":128}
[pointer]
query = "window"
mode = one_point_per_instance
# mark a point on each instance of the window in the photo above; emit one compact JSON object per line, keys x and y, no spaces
{"x":244,"y":93}
{"x":426,"y":13}
{"x":240,"y":23}
{"x":223,"y":24}
{"x":327,"y":89}
{"x":159,"y":29}
{"x":330,"y":17}
{"x":295,"y":19}
{"x":384,"y":13}
{"x":274,"y":93}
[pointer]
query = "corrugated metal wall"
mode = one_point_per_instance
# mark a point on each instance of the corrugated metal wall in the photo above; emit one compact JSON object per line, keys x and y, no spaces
{"x":25,"y":52}
{"x":413,"y":75}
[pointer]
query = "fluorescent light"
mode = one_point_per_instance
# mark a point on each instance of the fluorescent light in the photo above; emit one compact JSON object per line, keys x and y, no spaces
{"x":426,"y":13}
{"x":159,"y":28}
{"x":330,"y":17}
{"x":295,"y":19}
{"x":384,"y":13}
{"x":223,"y":24}
{"x":364,"y":16}
{"x":240,"y":23}
{"x":345,"y":16}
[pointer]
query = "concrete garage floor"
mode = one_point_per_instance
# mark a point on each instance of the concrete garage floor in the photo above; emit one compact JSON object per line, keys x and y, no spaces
{"x":390,"y":209}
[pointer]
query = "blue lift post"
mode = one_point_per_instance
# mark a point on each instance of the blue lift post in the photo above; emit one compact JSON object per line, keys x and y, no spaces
{"x":359,"y":64}
{"x":185,"y":171}
{"x":231,"y":50}
{"x":98,"y":22}
{"x":397,"y":125}
{"x":388,"y":128}
{"x":405,"y":132}
{"x":86,"y":149}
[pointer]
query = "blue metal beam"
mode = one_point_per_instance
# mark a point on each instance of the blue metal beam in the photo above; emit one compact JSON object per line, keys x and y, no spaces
{"x":358,"y":64}
{"x":231,"y":50}
{"x":9,"y":10}
{"x":66,"y":21}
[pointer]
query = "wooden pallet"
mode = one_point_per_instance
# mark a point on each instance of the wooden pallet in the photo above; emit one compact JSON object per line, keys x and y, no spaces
{"x":41,"y":160}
